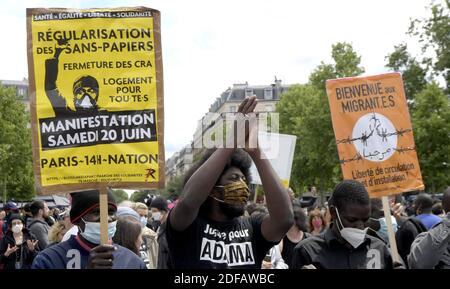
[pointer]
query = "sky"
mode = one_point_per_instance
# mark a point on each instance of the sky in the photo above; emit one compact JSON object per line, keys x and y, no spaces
{"x":207,"y":46}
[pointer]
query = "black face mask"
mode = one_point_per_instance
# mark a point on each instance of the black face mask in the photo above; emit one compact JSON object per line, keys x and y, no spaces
{"x":232,"y":211}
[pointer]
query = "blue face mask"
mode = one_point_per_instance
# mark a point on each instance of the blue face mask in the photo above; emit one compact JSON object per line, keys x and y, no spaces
{"x":382,"y":232}
{"x":143,"y":222}
{"x":92,"y":231}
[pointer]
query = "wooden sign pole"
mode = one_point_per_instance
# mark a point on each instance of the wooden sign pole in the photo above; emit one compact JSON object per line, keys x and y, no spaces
{"x":103,"y":215}
{"x":392,"y":243}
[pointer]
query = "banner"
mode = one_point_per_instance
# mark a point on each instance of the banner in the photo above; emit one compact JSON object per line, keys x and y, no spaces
{"x":373,"y":131}
{"x":96,"y":92}
{"x":279,"y":150}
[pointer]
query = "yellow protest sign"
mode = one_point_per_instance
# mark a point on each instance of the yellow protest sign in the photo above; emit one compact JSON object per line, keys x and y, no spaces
{"x":373,"y":131}
{"x":96,"y":92}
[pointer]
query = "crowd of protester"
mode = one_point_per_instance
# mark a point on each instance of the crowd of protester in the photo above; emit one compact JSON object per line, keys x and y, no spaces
{"x":317,"y":238}
{"x":215,"y":225}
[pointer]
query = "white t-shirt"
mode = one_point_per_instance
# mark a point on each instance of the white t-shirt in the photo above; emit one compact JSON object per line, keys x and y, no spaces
{"x":72,"y":231}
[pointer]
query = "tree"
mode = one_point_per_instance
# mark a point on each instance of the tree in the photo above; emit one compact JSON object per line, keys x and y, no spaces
{"x":16,"y":173}
{"x":174,"y":187}
{"x":431,"y":123}
{"x":139,"y":196}
{"x":120,"y":196}
{"x":414,"y":76}
{"x":434,"y":35}
{"x":430,"y":108}
{"x":346,"y":60}
{"x":305,"y":112}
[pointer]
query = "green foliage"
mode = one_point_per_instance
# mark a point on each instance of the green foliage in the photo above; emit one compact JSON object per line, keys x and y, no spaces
{"x":120,"y":196}
{"x":431,"y":123}
{"x":15,"y":148}
{"x":434,"y":36}
{"x":346,"y":64}
{"x":347,"y":61}
{"x":412,"y":73}
{"x":173,"y":188}
{"x":430,"y":106}
{"x":320,"y":75}
{"x":139,"y":196}
{"x":305,"y":112}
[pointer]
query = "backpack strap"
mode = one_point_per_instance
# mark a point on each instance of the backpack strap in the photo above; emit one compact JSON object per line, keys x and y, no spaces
{"x":418,"y":224}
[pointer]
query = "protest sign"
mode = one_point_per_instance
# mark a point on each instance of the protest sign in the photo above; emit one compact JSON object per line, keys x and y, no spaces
{"x":96,"y":91}
{"x":373,"y":131}
{"x":279,"y":150}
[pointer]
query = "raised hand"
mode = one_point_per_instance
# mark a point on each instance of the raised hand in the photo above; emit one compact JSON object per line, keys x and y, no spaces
{"x":62,"y":44}
{"x":398,"y":211}
{"x":10,"y":250}
{"x":246,"y":113}
{"x":32,"y":244}
{"x":248,"y":105}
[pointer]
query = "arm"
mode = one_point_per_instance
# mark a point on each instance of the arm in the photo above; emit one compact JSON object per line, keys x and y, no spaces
{"x":51,"y":74}
{"x":276,"y":258}
{"x":30,"y":249}
{"x":429,"y":247}
{"x":198,"y":188}
{"x":200,"y":184}
{"x":280,"y":217}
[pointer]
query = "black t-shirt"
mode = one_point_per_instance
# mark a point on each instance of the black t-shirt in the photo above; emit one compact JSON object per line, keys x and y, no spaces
{"x":207,"y":244}
{"x":327,"y":252}
{"x":288,"y":248}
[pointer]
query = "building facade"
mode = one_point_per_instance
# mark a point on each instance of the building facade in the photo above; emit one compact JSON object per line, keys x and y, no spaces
{"x":228,"y":102}
{"x":179,"y":163}
{"x":21,"y":88}
{"x":267,"y":95}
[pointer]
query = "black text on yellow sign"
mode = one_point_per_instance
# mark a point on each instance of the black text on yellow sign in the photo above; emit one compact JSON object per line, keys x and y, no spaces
{"x":96,"y":87}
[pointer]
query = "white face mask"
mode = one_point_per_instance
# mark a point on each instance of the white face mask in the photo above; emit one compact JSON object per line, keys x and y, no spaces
{"x":143,"y":221}
{"x":353,"y":236}
{"x":92,"y":231}
{"x":383,"y":231}
{"x":17,"y":228}
{"x":156,"y":216}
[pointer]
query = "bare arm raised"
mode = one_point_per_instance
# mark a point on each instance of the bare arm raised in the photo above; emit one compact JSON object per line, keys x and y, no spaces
{"x":201,"y":183}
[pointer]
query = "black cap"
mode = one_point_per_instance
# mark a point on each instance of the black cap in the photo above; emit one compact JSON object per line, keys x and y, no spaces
{"x":85,"y":201}
{"x":16,"y":217}
{"x":86,"y":81}
{"x":160,"y":203}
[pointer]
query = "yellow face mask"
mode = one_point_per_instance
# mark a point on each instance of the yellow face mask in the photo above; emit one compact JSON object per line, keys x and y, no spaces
{"x":236,"y":193}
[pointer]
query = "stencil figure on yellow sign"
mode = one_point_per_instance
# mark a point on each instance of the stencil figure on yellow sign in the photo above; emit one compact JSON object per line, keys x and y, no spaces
{"x":85,"y":88}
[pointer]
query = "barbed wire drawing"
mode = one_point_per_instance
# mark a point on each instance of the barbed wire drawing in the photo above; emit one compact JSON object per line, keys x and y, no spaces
{"x":375,"y":139}
{"x":360,"y":157}
{"x":379,"y":132}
